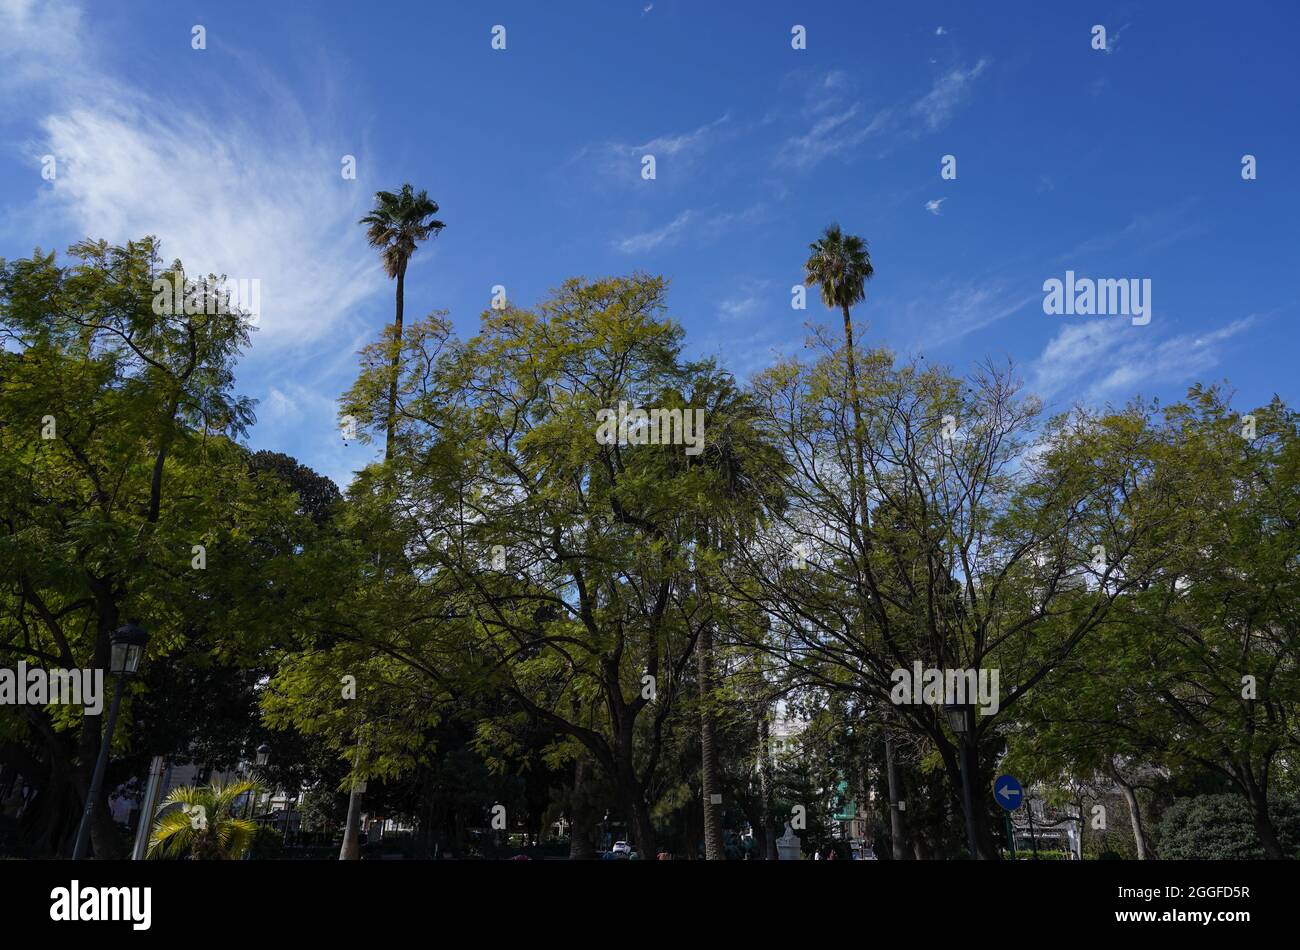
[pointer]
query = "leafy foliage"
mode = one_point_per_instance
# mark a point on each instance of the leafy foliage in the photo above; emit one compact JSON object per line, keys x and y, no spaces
{"x":200,"y":822}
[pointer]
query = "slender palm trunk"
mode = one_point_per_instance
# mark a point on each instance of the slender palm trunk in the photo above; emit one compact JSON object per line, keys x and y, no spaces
{"x":856,"y":400}
{"x":396,"y":361}
{"x":351,"y":849}
{"x":897,"y":827}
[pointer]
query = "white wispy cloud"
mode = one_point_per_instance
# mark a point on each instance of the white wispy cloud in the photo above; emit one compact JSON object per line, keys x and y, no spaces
{"x":750,"y":349}
{"x":951,"y":311}
{"x":701,"y":227}
{"x":840,"y":124}
{"x":257,"y":200}
{"x":251,"y":190}
{"x":621,"y":161}
{"x":1146,"y":231}
{"x":40,"y":43}
{"x":222,"y":201}
{"x":1113,"y":36}
{"x":830,"y":135}
{"x":1101,"y":357}
{"x":747,"y":299}
{"x":737,"y":308}
{"x":948,"y":92}
{"x":279,"y":406}
{"x":835,"y":79}
{"x":287,"y":410}
{"x":668,"y":235}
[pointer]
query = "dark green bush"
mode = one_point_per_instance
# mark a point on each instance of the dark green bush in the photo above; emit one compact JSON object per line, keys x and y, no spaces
{"x":1218,"y":827}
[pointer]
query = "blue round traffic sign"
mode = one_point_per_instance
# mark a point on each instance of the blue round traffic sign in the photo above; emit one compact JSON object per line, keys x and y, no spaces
{"x":1007,"y":792}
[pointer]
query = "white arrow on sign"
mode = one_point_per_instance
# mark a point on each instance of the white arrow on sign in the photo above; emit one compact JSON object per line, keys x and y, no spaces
{"x":1008,"y":792}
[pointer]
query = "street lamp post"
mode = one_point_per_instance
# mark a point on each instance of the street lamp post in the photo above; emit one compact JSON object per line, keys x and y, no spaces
{"x":959,"y":723}
{"x":288,"y":813}
{"x":263,"y":757}
{"x":128,"y":643}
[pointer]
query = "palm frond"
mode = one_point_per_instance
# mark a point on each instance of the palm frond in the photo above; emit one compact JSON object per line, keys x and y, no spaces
{"x":398,"y":223}
{"x":218,"y":833}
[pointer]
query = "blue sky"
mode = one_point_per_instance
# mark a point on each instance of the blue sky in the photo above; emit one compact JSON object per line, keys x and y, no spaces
{"x":1124,"y":163}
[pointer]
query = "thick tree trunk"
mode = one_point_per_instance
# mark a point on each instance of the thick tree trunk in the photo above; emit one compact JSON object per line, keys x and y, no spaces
{"x":582,"y":831}
{"x":968,"y":775}
{"x":977,"y":816}
{"x":1257,"y":799}
{"x":713,"y":849}
{"x":105,"y":842}
{"x":582,"y":846}
{"x":981,"y":842}
{"x":631,"y":793}
{"x":988,"y":842}
{"x":643,"y":831}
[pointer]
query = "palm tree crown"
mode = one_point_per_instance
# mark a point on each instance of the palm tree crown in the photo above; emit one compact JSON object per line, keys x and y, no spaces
{"x":204,"y":826}
{"x":398,"y":223}
{"x":840,"y":266}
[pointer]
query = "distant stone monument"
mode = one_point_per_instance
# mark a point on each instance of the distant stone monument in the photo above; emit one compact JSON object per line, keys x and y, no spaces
{"x":788,"y":845}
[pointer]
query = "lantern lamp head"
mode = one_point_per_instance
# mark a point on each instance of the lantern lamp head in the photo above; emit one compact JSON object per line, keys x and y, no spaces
{"x":128,"y":641}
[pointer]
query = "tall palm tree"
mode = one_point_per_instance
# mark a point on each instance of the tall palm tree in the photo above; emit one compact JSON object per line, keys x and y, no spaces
{"x":396,"y":226}
{"x":204,"y":825}
{"x":839,"y":265}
